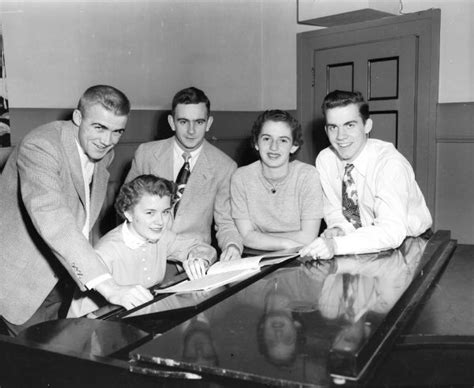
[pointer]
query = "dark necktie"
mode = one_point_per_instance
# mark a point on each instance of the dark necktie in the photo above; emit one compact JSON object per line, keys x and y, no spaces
{"x":182,"y":179}
{"x":350,"y":200}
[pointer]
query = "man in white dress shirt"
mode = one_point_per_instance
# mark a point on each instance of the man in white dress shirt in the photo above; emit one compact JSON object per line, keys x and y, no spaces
{"x":383,"y":204}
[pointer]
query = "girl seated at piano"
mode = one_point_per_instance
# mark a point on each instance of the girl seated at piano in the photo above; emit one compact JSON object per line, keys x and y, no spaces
{"x":136,"y":251}
{"x":277,"y":200}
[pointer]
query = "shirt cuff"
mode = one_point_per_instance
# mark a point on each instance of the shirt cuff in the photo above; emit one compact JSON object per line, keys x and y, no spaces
{"x":346,"y":227}
{"x":239,"y":248}
{"x":99,"y":279}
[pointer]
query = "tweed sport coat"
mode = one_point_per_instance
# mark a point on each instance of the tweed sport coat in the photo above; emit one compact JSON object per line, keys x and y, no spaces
{"x":42,"y":213}
{"x":207,"y":193}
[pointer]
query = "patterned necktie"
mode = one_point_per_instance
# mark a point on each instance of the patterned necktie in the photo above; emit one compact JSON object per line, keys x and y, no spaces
{"x":350,"y":200}
{"x":182,"y":179}
{"x":349,"y":283}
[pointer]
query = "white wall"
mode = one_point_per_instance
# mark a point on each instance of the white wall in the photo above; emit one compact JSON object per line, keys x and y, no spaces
{"x":242,"y":53}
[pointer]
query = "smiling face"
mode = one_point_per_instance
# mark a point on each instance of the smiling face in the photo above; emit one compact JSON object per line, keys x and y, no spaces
{"x":346,"y":131}
{"x":99,"y":130}
{"x":150,"y":217}
{"x":275,"y":144}
{"x":190,"y":123}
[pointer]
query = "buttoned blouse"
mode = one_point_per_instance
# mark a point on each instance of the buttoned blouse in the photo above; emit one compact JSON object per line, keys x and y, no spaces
{"x":132,"y":260}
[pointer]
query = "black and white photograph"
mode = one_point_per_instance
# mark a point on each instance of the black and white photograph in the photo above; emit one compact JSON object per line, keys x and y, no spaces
{"x":236,"y":193}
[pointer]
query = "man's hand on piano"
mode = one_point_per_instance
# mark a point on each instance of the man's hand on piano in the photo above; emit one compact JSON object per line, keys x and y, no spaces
{"x":333,"y":232}
{"x":125,"y":296}
{"x":322,"y":248}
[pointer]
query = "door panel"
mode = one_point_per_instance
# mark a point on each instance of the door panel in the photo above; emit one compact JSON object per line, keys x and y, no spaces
{"x":375,"y":69}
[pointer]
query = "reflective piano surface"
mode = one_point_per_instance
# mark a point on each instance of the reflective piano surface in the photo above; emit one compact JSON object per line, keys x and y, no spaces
{"x":298,"y":325}
{"x":303,"y":323}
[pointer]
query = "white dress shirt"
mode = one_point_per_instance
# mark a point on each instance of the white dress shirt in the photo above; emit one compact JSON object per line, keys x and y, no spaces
{"x":87,"y":174}
{"x":178,"y":159}
{"x":391,"y":204}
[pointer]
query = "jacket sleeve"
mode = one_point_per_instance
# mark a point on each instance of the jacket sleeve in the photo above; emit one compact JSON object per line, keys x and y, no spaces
{"x":180,"y":247}
{"x":47,"y":200}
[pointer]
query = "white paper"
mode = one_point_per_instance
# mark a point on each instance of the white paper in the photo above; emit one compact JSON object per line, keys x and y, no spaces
{"x":209,"y":282}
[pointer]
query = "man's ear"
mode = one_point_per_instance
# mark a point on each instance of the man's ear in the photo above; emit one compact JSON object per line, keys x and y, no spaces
{"x":171,"y":122}
{"x":368,"y":126}
{"x":77,"y":117}
{"x":210,"y":120}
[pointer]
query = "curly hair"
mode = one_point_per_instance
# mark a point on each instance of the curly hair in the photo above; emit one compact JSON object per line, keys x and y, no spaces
{"x":278,"y":116}
{"x":130,"y":193}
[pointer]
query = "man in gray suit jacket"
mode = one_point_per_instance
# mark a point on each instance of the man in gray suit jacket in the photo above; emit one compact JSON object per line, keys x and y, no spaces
{"x":206,"y":196}
{"x":51,"y":190}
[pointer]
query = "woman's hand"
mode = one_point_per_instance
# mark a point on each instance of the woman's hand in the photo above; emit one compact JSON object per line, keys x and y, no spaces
{"x":195,"y":267}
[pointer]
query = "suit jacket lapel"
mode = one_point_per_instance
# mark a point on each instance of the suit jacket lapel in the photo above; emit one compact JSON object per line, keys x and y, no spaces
{"x":68,"y":137}
{"x":163,"y":157}
{"x":198,"y":183}
{"x":100,"y":180}
{"x":202,"y":172}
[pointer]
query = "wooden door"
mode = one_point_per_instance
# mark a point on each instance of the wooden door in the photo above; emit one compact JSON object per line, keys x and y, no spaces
{"x":394,"y":63}
{"x":375,"y":69}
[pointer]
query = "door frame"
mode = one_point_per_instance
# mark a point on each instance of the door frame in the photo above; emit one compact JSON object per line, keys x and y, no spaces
{"x":425,"y":25}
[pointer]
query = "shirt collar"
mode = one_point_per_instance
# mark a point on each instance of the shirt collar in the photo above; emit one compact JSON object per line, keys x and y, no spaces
{"x":130,"y":239}
{"x":86,"y":164}
{"x":179,"y":151}
{"x":361,"y":162}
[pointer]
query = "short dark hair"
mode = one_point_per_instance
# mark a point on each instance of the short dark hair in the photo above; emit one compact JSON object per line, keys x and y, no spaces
{"x":279,"y":116}
{"x":190,"y":95}
{"x":130,"y":193}
{"x":109,"y":97}
{"x":341,"y":98}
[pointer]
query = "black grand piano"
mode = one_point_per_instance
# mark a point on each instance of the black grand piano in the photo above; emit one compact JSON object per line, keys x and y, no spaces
{"x":399,"y":318}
